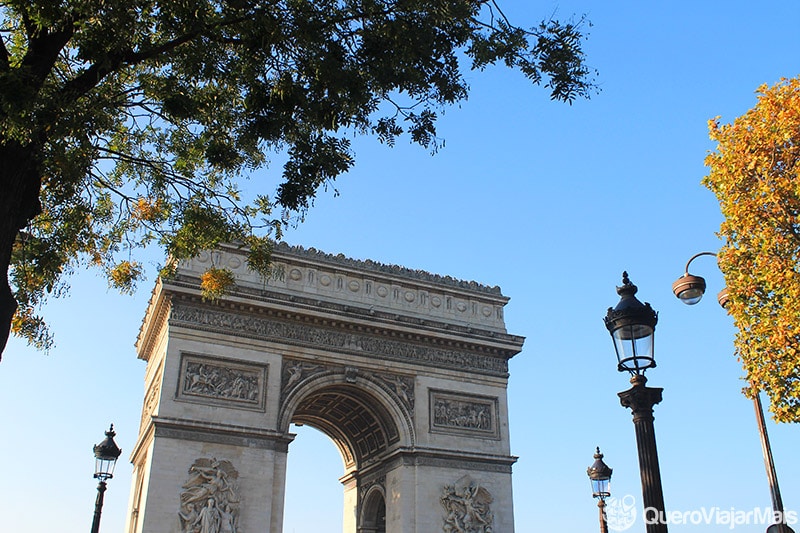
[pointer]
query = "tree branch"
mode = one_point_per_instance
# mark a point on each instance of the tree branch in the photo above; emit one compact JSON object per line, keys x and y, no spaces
{"x":43,"y":50}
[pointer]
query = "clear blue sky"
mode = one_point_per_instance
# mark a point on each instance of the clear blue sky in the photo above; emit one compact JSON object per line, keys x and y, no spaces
{"x":549,"y":201}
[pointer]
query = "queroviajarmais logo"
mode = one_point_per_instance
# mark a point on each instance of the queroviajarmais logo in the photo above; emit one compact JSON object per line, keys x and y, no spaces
{"x":620,"y":512}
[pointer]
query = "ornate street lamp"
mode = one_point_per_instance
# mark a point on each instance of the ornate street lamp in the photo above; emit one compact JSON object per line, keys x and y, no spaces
{"x":600,"y":476}
{"x":632,"y":326}
{"x":106,"y":454}
{"x":690,"y":290}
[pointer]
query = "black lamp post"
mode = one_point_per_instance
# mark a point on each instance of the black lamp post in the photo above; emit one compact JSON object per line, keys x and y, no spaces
{"x":600,"y":476}
{"x":106,"y":454}
{"x":690,"y":290}
{"x":632,"y":326}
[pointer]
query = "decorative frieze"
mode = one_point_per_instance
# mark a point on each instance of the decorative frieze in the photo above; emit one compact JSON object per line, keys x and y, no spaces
{"x":475,"y":416}
{"x":260,"y":327}
{"x":209,"y":499}
{"x":222,"y":381}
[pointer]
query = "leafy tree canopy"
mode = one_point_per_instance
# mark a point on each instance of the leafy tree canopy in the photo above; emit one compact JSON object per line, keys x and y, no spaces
{"x":755,"y":173}
{"x":129,"y":122}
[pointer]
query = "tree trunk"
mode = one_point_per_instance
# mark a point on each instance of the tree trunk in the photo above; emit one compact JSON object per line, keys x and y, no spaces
{"x":20,"y":182}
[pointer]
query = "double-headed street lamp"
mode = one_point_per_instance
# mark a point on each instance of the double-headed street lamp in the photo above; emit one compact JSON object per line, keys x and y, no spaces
{"x":600,"y":476}
{"x":106,"y":454}
{"x":690,"y":289}
{"x":632,"y":326}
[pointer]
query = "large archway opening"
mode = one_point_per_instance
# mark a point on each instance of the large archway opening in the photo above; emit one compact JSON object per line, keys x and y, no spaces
{"x":362,"y":430}
{"x":314,"y":495}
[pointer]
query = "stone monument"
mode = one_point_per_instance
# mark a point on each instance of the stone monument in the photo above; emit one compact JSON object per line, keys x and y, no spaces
{"x":404,"y":370}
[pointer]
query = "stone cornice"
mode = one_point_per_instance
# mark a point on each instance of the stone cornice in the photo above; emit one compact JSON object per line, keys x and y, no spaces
{"x":201,"y":431}
{"x":154,"y":321}
{"x":450,"y":459}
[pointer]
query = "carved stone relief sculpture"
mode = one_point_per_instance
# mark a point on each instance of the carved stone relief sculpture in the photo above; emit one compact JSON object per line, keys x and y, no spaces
{"x":463,"y":414}
{"x":467,"y":507}
{"x":402,"y":387}
{"x":229,"y":383}
{"x":209,"y":498}
{"x":295,"y":372}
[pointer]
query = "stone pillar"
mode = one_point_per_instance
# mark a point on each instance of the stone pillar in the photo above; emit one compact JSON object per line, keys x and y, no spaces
{"x":188,"y":468}
{"x":350,"y":514}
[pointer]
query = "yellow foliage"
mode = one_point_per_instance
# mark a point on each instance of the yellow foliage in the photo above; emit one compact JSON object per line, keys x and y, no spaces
{"x":755,"y":174}
{"x":148,"y":209}
{"x":124,"y":275}
{"x":215,"y":282}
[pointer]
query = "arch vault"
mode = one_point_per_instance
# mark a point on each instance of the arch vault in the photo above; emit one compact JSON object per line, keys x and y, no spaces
{"x":404,"y":370}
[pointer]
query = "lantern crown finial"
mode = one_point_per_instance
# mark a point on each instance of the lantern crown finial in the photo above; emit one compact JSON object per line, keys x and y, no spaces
{"x":627,"y":288}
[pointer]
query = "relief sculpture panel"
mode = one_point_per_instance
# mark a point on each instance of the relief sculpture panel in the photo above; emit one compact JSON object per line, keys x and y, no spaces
{"x":467,"y":507}
{"x":230,"y":383}
{"x":209,"y":498}
{"x":475,"y":416}
{"x":400,"y":386}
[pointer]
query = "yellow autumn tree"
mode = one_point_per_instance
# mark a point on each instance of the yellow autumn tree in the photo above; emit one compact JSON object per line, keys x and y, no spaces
{"x":755,"y":174}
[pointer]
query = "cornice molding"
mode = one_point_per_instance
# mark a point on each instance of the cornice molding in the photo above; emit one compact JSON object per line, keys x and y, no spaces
{"x":193,"y":430}
{"x":451,"y":460}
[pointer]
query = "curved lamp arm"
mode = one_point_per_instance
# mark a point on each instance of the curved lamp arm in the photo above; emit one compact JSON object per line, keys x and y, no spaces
{"x":695,"y":256}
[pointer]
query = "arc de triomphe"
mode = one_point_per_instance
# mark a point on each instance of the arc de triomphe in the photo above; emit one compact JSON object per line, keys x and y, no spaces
{"x":404,"y":370}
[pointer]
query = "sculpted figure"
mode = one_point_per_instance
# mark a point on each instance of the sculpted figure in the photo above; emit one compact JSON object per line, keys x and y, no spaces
{"x":188,"y":518}
{"x":209,"y":519}
{"x":211,"y":489}
{"x":467,"y":507}
{"x":226,"y":520}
